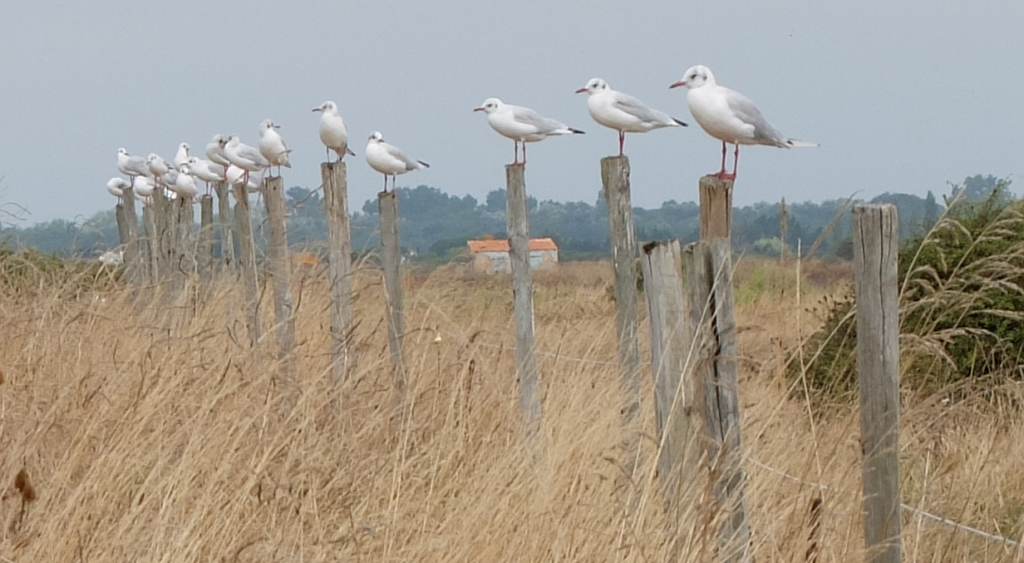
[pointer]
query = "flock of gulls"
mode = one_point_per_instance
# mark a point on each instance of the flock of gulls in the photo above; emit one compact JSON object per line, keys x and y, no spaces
{"x":723,"y":113}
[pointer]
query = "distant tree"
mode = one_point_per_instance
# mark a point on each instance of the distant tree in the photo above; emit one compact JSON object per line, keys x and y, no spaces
{"x":931,"y":210}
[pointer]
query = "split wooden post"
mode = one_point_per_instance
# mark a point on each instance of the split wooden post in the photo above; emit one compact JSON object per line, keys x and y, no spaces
{"x":227,"y":241}
{"x":391,"y":256}
{"x":715,"y":208}
{"x":518,"y":226}
{"x":280,"y":272}
{"x":339,"y":236}
{"x":152,"y":244}
{"x":712,"y":331}
{"x":247,"y":264}
{"x":674,"y":406}
{"x":876,"y":245}
{"x":615,"y":179}
{"x":204,"y":257}
{"x":161,"y":237}
{"x":185,"y":255}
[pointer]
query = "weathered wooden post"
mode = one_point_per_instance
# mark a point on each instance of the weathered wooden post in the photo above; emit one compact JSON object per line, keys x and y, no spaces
{"x":783,"y":228}
{"x":161,"y":236}
{"x":185,"y":256}
{"x":876,"y":245}
{"x":227,"y":241}
{"x":518,"y":226}
{"x":674,"y":406}
{"x":247,"y":264}
{"x":152,"y":243}
{"x":204,"y":257}
{"x":280,"y":272}
{"x":391,"y":256}
{"x":132,"y":258}
{"x":615,"y":179}
{"x":335,"y":181}
{"x":712,"y":331}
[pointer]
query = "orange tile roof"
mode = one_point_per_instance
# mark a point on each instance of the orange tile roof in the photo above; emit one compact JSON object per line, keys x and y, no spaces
{"x":501,"y":245}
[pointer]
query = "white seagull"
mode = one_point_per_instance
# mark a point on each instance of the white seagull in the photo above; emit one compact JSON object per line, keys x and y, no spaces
{"x":522,"y":125}
{"x":131,"y":166}
{"x":272,"y":145}
{"x":729,"y":116}
{"x":236,"y":177}
{"x":157,"y":166}
{"x":184,"y":184}
{"x":244,"y":156}
{"x":116,"y":186}
{"x":333,"y":134}
{"x":182,"y":156}
{"x":206,"y":170}
{"x":389,"y":160}
{"x":215,"y":150}
{"x":144,"y":187}
{"x":623,"y":112}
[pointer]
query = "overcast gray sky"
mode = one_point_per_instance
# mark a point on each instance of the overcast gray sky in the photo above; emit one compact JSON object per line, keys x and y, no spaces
{"x":903,"y":96}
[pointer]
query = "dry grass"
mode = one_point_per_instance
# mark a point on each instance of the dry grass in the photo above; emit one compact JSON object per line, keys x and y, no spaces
{"x":153,"y":434}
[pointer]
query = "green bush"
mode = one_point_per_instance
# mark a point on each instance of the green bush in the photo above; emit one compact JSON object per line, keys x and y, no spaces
{"x":961,"y":306}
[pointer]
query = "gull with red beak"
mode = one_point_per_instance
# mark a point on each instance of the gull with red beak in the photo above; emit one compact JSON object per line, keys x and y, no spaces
{"x":729,"y":116}
{"x":522,"y":125}
{"x":623,"y":112}
{"x":389,"y":160}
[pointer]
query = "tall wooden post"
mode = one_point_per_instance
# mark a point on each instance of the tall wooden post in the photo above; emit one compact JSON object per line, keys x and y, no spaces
{"x":247,"y":264}
{"x":335,"y":181}
{"x":227,"y":241}
{"x":161,"y":235}
{"x":522,"y":297}
{"x":204,"y":257}
{"x":615,"y":179}
{"x":152,"y":244}
{"x":132,"y":257}
{"x":876,"y":245}
{"x":280,"y":272}
{"x":391,"y":255}
{"x":185,"y":256}
{"x":674,"y":406}
{"x":715,"y":208}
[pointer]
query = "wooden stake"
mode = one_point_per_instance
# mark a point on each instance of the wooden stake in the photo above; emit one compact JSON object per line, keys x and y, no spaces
{"x":247,"y":264}
{"x":876,"y":245}
{"x":204,"y":259}
{"x":391,"y":256}
{"x":227,"y":240}
{"x":335,"y":181}
{"x":280,"y":272}
{"x":715,"y":208}
{"x":522,"y":298}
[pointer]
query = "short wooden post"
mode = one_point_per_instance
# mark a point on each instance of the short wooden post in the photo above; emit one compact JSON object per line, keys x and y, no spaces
{"x":132,"y":258}
{"x":122,"y":224}
{"x":876,"y":245}
{"x":673,"y":394}
{"x":518,"y":226}
{"x":204,"y":257}
{"x":335,"y":181}
{"x":185,"y":256}
{"x":280,"y":272}
{"x":712,"y":331}
{"x":161,"y":205}
{"x":715,"y":208}
{"x":227,"y":241}
{"x":247,"y":264}
{"x":615,"y":179}
{"x":391,"y":256}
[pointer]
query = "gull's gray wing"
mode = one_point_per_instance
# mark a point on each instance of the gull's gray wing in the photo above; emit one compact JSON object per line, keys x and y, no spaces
{"x":543,"y":124}
{"x":251,"y":153}
{"x":137,"y":165}
{"x":410,"y":163}
{"x":748,"y":113}
{"x":638,"y":109}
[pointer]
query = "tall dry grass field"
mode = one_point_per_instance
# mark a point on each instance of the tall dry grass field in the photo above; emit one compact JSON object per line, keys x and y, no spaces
{"x":152,"y":433}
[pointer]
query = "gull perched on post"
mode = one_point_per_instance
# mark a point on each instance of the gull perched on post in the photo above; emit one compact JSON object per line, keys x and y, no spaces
{"x":182,"y":156}
{"x":206,"y":170}
{"x":143,"y":186}
{"x":184,"y":184}
{"x":729,"y":116}
{"x":116,"y":186}
{"x":215,"y":150}
{"x":272,"y":145}
{"x":157,"y":166}
{"x":522,"y":125}
{"x":244,"y":156}
{"x":389,"y":160}
{"x":333,"y":133}
{"x":623,"y":112}
{"x":131,"y":166}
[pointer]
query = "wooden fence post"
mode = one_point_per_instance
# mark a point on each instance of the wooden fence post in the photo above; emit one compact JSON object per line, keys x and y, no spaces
{"x":615,"y":179}
{"x":715,"y":208}
{"x":339,"y":237}
{"x":185,"y":255}
{"x":391,"y":256}
{"x":227,"y":241}
{"x":160,"y":235}
{"x":247,"y":264}
{"x":673,"y":393}
{"x":876,"y":245}
{"x":132,"y":257}
{"x":280,"y":272}
{"x":518,"y":226}
{"x":204,"y":259}
{"x":152,"y":244}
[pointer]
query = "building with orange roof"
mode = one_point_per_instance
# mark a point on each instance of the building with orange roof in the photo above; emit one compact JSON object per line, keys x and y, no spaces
{"x":491,"y":256}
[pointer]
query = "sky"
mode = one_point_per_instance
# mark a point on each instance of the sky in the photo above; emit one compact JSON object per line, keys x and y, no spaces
{"x":902,"y":96}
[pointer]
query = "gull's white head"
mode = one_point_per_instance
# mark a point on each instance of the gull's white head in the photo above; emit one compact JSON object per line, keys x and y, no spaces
{"x":268,"y":124}
{"x":594,"y":85}
{"x":327,"y":107}
{"x":122,"y":152}
{"x":152,"y":158}
{"x":184,"y":147}
{"x":116,"y":183}
{"x":489,"y":106}
{"x":696,"y":77}
{"x":232,"y":140}
{"x":376,"y":137}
